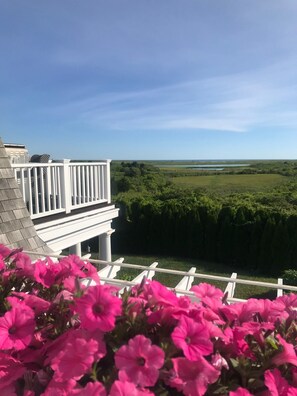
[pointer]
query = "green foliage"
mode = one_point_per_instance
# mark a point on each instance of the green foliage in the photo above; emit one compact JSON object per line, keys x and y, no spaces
{"x":290,"y":277}
{"x":255,"y":230}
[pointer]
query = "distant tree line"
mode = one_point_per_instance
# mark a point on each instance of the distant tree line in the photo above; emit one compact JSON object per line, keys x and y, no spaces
{"x":255,"y":231}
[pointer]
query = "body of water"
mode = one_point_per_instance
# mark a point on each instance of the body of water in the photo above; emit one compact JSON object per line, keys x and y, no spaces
{"x":214,"y":167}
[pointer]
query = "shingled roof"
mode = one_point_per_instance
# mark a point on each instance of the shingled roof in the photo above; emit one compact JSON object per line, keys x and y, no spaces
{"x":16,"y":227}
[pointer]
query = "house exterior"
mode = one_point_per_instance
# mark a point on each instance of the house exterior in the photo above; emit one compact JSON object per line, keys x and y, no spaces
{"x":64,"y":202}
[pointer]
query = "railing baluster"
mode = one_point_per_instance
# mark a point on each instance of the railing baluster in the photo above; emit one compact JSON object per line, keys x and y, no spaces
{"x":35,"y":181}
{"x":48,"y":188}
{"x":96,"y":177}
{"x":102,"y":183}
{"x":79,"y":184}
{"x":83,"y":185}
{"x":92,"y":198}
{"x":73,"y":173}
{"x":54,"y":206}
{"x":42,"y":173}
{"x":87,"y":184}
{"x":59,"y":192}
{"x":23,"y":187}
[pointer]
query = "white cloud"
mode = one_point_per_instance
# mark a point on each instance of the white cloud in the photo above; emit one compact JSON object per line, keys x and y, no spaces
{"x":237,"y":103}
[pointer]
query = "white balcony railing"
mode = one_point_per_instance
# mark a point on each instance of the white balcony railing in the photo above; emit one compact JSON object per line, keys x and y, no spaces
{"x":62,"y":186}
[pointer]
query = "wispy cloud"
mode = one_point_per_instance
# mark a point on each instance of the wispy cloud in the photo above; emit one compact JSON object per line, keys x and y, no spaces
{"x":237,"y":103}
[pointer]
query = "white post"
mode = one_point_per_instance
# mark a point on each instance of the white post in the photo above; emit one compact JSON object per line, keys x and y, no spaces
{"x":230,"y":288}
{"x":66,"y":187}
{"x":107,"y":182}
{"x":105,"y":246}
{"x":75,"y":249}
{"x":279,"y":291}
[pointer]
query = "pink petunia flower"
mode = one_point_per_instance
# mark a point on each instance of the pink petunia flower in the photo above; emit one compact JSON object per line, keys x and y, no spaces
{"x":192,"y":378}
{"x":193,"y":338}
{"x":9,"y":390}
{"x":55,"y":388}
{"x":206,"y":290}
{"x":78,"y":268}
{"x":72,"y":354}
{"x":74,"y":360}
{"x":91,"y":389}
{"x":277,"y":385}
{"x":139,"y":361}
{"x":10,"y":370}
{"x":16,"y":328}
{"x":2,"y":264}
{"x":37,"y":304}
{"x":125,"y":388}
{"x":46,"y":272}
{"x":4,"y":251}
{"x":287,"y":354}
{"x":98,"y":308}
{"x":157,"y":294}
{"x":24,"y":265}
{"x":219,"y":362}
{"x":240,"y":392}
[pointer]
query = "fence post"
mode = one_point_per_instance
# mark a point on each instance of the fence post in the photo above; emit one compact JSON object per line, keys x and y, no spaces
{"x":279,"y":291}
{"x":230,"y":289}
{"x":66,"y":185}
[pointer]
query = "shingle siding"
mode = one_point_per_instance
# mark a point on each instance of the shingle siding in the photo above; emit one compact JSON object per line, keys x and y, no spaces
{"x":16,"y":226}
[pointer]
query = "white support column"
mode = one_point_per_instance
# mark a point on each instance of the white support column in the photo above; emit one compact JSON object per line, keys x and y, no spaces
{"x":105,"y":246}
{"x":75,"y":249}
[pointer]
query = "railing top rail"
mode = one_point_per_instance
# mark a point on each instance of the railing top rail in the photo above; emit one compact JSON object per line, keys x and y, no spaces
{"x":88,"y":163}
{"x":30,"y":165}
{"x":53,"y":164}
{"x":186,"y":273}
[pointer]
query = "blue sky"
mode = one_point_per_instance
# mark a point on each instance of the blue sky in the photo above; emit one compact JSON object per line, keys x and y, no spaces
{"x":150,"y":79}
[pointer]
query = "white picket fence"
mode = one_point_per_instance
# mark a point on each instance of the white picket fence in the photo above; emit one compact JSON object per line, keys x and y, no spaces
{"x":109,"y":272}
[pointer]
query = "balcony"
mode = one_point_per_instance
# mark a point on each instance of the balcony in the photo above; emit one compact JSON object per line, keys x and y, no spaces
{"x":63,"y":186}
{"x":69,"y":202}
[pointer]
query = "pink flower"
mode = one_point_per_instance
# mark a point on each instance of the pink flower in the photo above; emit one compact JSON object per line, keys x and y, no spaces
{"x":9,"y":390}
{"x":125,"y":388}
{"x":192,"y":378}
{"x":59,"y":388}
{"x":205,"y":290}
{"x":17,"y":328}
{"x":193,"y":338}
{"x":292,"y":391}
{"x":74,"y":360}
{"x":23,"y":264}
{"x":45,"y":272}
{"x":72,"y":354}
{"x":157,"y":294}
{"x":2,"y":264}
{"x":139,"y":361}
{"x":219,"y":362}
{"x":79,"y":268}
{"x":240,"y":392}
{"x":10,"y":370}
{"x":4,"y":251}
{"x":277,"y":385}
{"x":91,"y":389}
{"x":37,"y":304}
{"x":287,"y":354}
{"x":98,"y":308}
